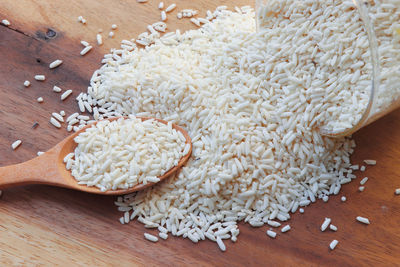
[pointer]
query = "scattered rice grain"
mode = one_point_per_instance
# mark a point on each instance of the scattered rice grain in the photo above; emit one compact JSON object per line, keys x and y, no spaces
{"x":85,"y":50}
{"x":16,"y":144}
{"x":66,"y":94}
{"x":325,"y":224}
{"x":363,"y":220}
{"x":271,"y":233}
{"x":99,"y":39}
{"x":285,"y":228}
{"x":55,"y":63}
{"x":370,"y":162}
{"x":170,"y":8}
{"x":363,"y":181}
{"x":150,"y":237}
{"x":55,"y":122}
{"x":40,"y":77}
{"x":333,"y":244}
{"x":6,"y":22}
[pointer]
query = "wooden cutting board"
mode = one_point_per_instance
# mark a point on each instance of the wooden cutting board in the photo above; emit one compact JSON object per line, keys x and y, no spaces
{"x":53,"y":226}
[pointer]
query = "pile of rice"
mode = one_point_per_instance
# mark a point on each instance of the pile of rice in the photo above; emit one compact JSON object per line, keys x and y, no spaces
{"x":253,"y":104}
{"x":125,"y":152}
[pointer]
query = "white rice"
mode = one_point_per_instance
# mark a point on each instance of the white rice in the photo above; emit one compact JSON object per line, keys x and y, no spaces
{"x":187,"y":13}
{"x":72,"y":116}
{"x":323,"y":32}
{"x":170,"y":8}
{"x":363,"y":220}
{"x":273,"y":223}
{"x":16,"y":144}
{"x":159,"y":26}
{"x":66,"y":94}
{"x":253,"y":113}
{"x":99,"y":39}
{"x":163,"y":16}
{"x":55,"y":122}
{"x":6,"y":22}
{"x":58,"y":116}
{"x":57,"y":89}
{"x":285,"y":228}
{"x":163,"y":235}
{"x":55,"y":63}
{"x":150,"y":237}
{"x":325,"y":224}
{"x":333,"y":244}
{"x":363,"y":181}
{"x":271,"y":233}
{"x":221,"y":244}
{"x":201,"y":146}
{"x":333,"y":227}
{"x":123,"y":153}
{"x":85,"y":50}
{"x":81,"y":20}
{"x":40,"y":77}
{"x":195,"y":22}
{"x":370,"y":162}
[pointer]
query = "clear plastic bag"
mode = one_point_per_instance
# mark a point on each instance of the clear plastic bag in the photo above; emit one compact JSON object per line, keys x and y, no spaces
{"x":377,"y":35}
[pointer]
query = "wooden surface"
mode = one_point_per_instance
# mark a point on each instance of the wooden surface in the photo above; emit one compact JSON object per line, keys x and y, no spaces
{"x":53,"y":226}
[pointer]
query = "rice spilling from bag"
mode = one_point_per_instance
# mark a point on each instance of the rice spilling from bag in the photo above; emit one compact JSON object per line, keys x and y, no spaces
{"x":332,"y":36}
{"x":252,"y":104}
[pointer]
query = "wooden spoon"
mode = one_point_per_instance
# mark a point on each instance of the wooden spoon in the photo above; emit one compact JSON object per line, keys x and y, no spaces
{"x":49,"y":168}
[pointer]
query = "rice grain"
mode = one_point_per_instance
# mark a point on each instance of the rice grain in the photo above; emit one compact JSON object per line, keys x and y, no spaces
{"x":55,"y":122}
{"x":55,"y":63}
{"x":16,"y":144}
{"x":333,"y":244}
{"x":40,"y":77}
{"x":170,"y":8}
{"x":363,"y":220}
{"x":66,"y":94}
{"x":150,"y":237}
{"x":85,"y":50}
{"x":6,"y":22}
{"x":271,"y":233}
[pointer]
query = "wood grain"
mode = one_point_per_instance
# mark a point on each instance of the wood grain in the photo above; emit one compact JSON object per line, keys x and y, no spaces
{"x":42,"y":225}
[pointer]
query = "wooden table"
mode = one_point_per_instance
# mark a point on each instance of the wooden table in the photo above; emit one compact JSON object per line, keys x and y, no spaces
{"x":53,"y":226}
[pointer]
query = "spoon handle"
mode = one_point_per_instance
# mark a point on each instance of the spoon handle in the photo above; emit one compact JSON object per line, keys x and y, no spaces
{"x":39,"y":170}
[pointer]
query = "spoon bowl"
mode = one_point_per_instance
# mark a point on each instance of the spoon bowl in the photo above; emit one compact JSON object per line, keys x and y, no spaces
{"x":49,"y":168}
